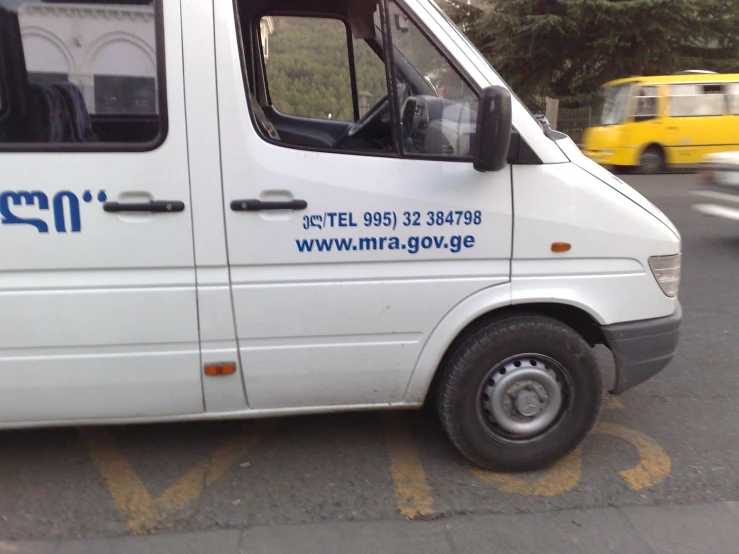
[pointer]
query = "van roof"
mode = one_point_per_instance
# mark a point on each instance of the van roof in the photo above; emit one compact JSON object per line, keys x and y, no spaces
{"x":678,"y":78}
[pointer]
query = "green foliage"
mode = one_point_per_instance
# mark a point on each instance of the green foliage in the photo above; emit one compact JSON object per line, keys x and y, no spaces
{"x":568,"y":48}
{"x":308,"y":68}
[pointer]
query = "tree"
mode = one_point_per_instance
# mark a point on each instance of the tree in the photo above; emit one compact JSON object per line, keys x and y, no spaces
{"x":308,"y":68}
{"x":568,"y":48}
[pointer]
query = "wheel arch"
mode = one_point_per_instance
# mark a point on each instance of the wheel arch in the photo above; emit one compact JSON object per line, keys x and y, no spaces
{"x":655,"y":146}
{"x":464,"y":320}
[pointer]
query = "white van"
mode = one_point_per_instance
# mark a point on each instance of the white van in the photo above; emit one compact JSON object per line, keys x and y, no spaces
{"x":199,"y":223}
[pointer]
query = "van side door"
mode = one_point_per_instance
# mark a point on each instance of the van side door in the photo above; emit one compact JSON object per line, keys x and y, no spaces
{"x":97,"y":279}
{"x":354,"y":217}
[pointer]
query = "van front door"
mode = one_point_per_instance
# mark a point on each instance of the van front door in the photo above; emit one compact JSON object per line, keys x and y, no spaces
{"x":350,"y":233}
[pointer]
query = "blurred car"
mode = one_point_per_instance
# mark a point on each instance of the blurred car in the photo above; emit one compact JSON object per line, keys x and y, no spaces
{"x":718,"y":192}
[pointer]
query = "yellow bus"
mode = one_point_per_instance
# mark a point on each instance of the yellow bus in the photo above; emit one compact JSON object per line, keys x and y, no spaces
{"x":650,"y":123}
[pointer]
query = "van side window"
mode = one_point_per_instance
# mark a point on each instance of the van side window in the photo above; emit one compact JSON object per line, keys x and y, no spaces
{"x":697,"y":100}
{"x":328,"y":77}
{"x":307,"y":67}
{"x":371,"y":78}
{"x":646,"y":104}
{"x":83,"y":74}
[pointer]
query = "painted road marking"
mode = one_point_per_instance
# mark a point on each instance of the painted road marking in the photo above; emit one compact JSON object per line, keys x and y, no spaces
{"x":560,"y":478}
{"x":654,"y":463}
{"x":129,"y":493}
{"x":412,"y":492}
{"x":612,"y":403}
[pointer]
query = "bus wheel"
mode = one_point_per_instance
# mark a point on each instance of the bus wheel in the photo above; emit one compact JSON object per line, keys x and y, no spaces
{"x":652,"y":161}
{"x":520,"y":393}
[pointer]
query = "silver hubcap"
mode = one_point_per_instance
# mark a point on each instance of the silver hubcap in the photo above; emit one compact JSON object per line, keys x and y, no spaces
{"x":523,"y":396}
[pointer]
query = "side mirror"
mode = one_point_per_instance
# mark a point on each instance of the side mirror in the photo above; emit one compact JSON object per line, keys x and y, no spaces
{"x":493,"y":131}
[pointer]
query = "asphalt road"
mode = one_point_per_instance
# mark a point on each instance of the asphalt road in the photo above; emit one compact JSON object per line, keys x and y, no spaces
{"x":672,"y":440}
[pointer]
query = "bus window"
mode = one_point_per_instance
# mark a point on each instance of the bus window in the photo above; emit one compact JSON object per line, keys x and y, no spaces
{"x":732,"y":98}
{"x":646,"y":104}
{"x":612,"y":104}
{"x":696,"y":100}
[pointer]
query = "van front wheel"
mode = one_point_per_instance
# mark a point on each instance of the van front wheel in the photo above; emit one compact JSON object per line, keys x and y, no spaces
{"x":520,"y":393}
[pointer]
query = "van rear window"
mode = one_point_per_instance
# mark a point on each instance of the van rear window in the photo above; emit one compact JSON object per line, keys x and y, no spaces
{"x":81,"y":72}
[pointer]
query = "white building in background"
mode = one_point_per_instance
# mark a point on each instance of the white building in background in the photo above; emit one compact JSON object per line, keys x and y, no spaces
{"x":107,"y":50}
{"x":266,"y":28}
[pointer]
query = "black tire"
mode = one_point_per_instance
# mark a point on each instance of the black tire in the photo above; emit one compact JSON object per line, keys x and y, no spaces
{"x":652,"y":161}
{"x":461,"y":392}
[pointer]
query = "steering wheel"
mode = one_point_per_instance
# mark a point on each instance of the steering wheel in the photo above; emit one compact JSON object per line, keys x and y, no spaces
{"x":372,"y":114}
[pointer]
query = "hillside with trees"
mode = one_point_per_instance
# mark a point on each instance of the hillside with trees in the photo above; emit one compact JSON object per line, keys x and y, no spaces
{"x":560,"y":48}
{"x":568,"y":48}
{"x":308,"y":68}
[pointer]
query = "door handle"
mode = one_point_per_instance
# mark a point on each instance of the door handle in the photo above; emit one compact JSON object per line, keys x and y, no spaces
{"x":259,"y":205}
{"x":157,"y":206}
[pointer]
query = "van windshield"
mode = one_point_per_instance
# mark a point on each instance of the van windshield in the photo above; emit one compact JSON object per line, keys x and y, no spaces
{"x":612,"y":104}
{"x":429,"y":87}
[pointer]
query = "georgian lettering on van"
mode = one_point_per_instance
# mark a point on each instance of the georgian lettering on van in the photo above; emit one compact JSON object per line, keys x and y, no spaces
{"x":20,"y":207}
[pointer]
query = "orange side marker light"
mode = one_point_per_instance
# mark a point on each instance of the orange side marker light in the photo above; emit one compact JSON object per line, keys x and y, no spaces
{"x":215,"y":370}
{"x":561,"y":246}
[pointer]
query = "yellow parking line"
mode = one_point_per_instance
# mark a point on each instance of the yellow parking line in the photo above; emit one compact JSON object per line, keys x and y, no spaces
{"x":129,"y":493}
{"x":612,"y":403}
{"x":412,"y":492}
{"x":560,"y":478}
{"x":654,"y":463}
{"x":653,"y":467}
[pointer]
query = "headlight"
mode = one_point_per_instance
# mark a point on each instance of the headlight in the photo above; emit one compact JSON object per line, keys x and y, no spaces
{"x":666,"y":270}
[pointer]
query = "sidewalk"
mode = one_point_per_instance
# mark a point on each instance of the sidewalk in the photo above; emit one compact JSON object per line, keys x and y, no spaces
{"x":669,"y":529}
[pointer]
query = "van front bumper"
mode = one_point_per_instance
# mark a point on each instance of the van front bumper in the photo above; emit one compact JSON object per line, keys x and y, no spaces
{"x":642,"y":348}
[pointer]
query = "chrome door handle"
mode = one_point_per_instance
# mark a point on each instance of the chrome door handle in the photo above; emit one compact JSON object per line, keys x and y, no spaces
{"x":254,"y":205}
{"x":157,"y":206}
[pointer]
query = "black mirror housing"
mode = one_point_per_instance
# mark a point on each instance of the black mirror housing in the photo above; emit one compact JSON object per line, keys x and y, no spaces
{"x":493,"y":131}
